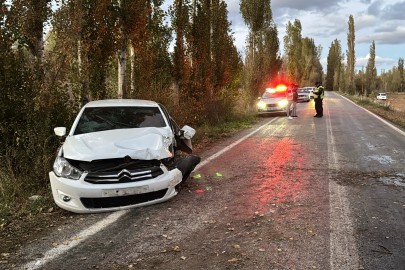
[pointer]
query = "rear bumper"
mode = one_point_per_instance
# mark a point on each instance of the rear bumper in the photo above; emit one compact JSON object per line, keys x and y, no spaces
{"x":92,"y":198}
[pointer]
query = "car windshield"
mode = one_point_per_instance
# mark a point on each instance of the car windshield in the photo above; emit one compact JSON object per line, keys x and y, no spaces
{"x":383,"y":94}
{"x":277,"y":94}
{"x":96,"y":119}
{"x":302,"y":91}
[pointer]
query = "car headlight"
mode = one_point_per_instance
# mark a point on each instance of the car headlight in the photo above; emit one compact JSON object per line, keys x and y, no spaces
{"x":62,"y":168}
{"x":283,"y":103}
{"x":261,"y":104}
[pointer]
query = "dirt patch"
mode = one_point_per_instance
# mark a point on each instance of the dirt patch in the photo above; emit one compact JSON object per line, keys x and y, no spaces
{"x":381,"y":178}
{"x":396,"y":101}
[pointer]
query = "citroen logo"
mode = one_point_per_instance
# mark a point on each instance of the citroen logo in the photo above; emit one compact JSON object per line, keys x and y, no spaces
{"x":124,"y":174}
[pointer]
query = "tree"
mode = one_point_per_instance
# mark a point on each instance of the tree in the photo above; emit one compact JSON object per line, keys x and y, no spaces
{"x":351,"y":58}
{"x":371,"y":71}
{"x":312,"y":68}
{"x":401,"y":72}
{"x":263,"y":40}
{"x":293,"y":51}
{"x":256,"y":14}
{"x":334,"y":66}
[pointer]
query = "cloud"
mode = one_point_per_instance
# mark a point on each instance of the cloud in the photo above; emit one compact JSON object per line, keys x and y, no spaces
{"x":308,"y":5}
{"x":388,"y":27}
{"x":394,"y":37}
{"x":379,"y":61}
{"x":364,"y":21}
{"x":375,"y":8}
{"x":394,"y":11}
{"x":324,"y":61}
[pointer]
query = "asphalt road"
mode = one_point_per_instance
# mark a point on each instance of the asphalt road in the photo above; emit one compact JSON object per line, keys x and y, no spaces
{"x":308,"y":193}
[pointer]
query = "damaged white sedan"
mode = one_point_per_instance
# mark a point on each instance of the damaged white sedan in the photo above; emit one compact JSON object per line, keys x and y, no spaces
{"x":120,"y":154}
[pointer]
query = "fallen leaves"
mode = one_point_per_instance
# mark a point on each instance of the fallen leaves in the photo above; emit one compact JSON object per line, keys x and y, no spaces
{"x":233,"y":260}
{"x":262,"y":249}
{"x":176,"y":248}
{"x":54,"y":244}
{"x":197,"y":176}
{"x":183,"y":258}
{"x":236,"y":246}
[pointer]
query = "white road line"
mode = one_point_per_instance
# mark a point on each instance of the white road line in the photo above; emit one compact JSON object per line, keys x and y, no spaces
{"x":343,"y":250}
{"x":378,"y":117}
{"x":229,"y":147}
{"x":60,"y":249}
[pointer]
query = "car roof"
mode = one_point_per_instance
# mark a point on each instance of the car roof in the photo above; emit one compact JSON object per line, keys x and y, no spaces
{"x":122,"y":103}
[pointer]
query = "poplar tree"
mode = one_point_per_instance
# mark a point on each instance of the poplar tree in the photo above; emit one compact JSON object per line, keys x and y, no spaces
{"x":351,"y":58}
{"x":293,"y":51}
{"x":262,"y":41}
{"x":371,"y":71}
{"x":334,"y":66}
{"x":401,"y":72}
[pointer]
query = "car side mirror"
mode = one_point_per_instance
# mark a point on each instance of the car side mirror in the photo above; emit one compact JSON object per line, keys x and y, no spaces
{"x":188,"y":132}
{"x":60,"y":131}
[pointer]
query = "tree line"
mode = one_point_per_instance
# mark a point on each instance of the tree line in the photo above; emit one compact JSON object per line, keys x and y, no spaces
{"x":343,"y":77}
{"x":56,"y":55}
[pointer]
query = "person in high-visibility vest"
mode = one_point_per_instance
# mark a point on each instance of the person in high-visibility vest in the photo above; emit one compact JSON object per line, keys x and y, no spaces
{"x":318,"y":98}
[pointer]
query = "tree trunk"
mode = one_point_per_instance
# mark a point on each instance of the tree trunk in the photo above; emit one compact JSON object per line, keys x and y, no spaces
{"x":211,"y":29}
{"x":122,"y":69}
{"x":132,"y":68}
{"x":122,"y":60}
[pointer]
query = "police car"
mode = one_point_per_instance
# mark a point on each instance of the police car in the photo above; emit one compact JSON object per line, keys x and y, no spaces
{"x":274,"y":100}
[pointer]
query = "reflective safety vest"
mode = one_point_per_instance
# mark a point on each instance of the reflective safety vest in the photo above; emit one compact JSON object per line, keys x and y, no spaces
{"x":319,"y":91}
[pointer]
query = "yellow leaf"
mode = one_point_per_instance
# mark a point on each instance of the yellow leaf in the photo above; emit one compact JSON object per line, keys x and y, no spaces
{"x":54,"y":244}
{"x":236,"y":246}
{"x":279,"y":249}
{"x":65,"y":243}
{"x":233,"y":260}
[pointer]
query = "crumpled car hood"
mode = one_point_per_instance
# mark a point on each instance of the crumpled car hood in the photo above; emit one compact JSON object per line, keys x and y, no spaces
{"x":138,"y":143}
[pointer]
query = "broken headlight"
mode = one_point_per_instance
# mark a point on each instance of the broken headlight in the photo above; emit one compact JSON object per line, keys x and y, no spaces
{"x":62,"y":168}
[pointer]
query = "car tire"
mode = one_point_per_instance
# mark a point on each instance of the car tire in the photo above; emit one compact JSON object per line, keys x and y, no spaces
{"x":186,"y":165}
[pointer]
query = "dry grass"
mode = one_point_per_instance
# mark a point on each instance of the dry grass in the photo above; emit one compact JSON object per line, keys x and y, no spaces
{"x":393,"y":109}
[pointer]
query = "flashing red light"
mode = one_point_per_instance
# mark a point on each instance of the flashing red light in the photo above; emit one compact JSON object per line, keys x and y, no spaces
{"x":281,"y":87}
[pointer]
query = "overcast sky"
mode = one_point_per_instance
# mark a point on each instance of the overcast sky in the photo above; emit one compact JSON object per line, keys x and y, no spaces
{"x":326,"y":20}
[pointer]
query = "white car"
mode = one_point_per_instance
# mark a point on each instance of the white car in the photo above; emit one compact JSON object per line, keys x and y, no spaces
{"x":382,"y":96}
{"x":303,"y":95}
{"x":120,"y":154}
{"x":310,"y":90}
{"x":274,"y":100}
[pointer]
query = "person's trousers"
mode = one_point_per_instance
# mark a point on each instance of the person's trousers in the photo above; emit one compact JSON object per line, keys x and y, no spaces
{"x":294,"y":110}
{"x":318,"y":107}
{"x":288,"y":108}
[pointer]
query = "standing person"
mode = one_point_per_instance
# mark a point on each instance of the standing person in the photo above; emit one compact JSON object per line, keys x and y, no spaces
{"x":290,"y":101}
{"x":318,"y":98}
{"x":294,"y":100}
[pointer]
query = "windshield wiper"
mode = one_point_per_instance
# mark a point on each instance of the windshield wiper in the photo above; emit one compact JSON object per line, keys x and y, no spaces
{"x":105,"y":120}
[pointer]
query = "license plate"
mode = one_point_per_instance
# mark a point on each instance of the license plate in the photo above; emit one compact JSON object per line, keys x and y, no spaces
{"x":125,"y":191}
{"x":272,"y":108}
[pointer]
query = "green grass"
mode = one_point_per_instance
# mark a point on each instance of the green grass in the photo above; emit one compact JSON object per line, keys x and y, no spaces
{"x":226,"y":129}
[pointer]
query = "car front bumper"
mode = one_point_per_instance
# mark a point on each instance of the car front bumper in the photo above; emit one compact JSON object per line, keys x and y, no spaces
{"x":86,"y":197}
{"x":277,"y":110}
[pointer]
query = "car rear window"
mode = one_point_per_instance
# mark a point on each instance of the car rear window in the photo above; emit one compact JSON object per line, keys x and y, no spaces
{"x":96,"y":119}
